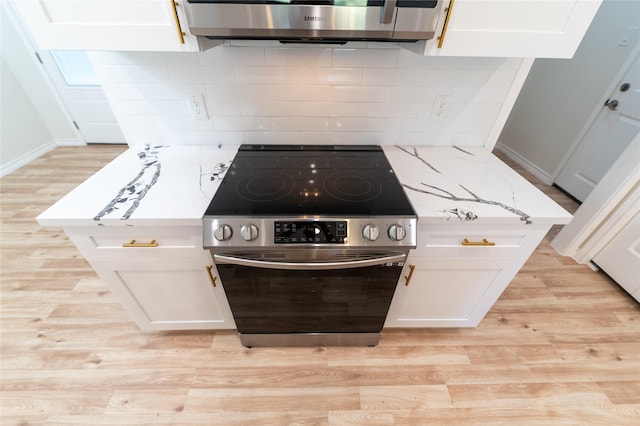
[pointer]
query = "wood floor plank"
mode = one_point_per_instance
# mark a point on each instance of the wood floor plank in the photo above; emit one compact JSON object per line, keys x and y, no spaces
{"x":404,"y":397}
{"x":143,"y":401}
{"x":223,"y":418}
{"x":526,"y":394}
{"x":361,"y":417}
{"x":273,"y":399}
{"x":397,"y":355}
{"x":523,"y":415}
{"x":513,"y":354}
{"x":23,"y":403}
{"x":560,"y":347}
{"x":622,"y":392}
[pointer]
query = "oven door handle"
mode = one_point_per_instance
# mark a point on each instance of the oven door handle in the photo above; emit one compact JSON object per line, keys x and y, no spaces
{"x":306,"y":266}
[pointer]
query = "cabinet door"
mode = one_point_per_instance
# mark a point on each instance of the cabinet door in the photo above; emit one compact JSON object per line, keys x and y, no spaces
{"x":515,"y":28}
{"x":449,"y":292}
{"x":148,"y":25}
{"x":168,"y":294}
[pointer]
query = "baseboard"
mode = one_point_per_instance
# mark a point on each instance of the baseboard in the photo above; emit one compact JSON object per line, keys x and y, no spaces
{"x":28,"y":157}
{"x":526,"y":164}
{"x":69,"y":142}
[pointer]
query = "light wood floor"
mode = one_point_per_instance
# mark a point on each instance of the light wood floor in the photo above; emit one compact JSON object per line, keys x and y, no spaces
{"x":561,"y":346}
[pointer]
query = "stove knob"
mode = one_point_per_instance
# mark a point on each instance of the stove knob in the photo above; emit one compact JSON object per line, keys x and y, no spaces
{"x":370,"y":232}
{"x":223,"y":232}
{"x":397,"y":232}
{"x":249,"y":232}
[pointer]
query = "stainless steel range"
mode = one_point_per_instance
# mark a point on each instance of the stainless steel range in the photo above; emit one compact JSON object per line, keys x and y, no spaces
{"x":309,"y":242}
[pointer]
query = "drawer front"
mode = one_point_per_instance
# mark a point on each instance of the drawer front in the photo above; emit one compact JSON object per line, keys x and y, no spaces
{"x":481,"y":242}
{"x":137,"y":242}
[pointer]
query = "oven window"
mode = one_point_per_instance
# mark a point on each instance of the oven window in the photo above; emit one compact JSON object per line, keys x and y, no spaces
{"x":352,"y":300}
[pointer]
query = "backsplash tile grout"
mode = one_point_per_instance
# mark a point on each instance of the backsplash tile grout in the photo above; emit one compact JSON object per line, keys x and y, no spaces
{"x":302,"y":95}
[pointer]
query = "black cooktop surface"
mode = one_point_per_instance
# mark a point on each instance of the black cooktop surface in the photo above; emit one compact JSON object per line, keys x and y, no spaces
{"x":323,"y":180}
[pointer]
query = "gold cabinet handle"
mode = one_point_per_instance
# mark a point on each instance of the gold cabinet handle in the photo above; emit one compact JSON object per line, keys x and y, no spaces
{"x":174,"y":4}
{"x":211,"y":277}
{"x":446,"y":24}
{"x":407,"y":278}
{"x":133,"y":243}
{"x":483,"y":243}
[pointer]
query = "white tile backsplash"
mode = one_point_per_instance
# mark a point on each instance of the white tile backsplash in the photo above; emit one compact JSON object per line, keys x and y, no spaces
{"x":265,"y":93}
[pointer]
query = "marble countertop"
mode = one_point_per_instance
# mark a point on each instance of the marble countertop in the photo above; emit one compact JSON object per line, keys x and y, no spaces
{"x":146,"y":185}
{"x":152,"y":185}
{"x":461,"y":185}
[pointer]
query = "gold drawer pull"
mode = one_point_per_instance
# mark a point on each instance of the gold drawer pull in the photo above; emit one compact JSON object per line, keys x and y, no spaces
{"x":407,"y":278}
{"x":446,"y":25}
{"x":174,"y":4}
{"x":483,"y":243}
{"x":211,"y":277}
{"x":133,"y":243}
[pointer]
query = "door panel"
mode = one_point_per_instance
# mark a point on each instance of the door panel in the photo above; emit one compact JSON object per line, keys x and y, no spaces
{"x":80,"y":89}
{"x":620,"y":258}
{"x":612,"y":131}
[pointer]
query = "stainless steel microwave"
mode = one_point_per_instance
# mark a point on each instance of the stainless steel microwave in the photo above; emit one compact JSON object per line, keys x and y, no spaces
{"x":314,"y":20}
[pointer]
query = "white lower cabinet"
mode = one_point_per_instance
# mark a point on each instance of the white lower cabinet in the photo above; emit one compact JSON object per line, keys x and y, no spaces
{"x":160,"y":274}
{"x":168,"y":294}
{"x":459,"y":272}
{"x":449,"y":292}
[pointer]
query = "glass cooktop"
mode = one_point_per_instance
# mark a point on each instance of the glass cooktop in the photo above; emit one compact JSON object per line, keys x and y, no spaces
{"x":322,"y":180}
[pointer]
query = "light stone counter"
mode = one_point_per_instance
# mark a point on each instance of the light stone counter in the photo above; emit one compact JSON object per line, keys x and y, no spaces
{"x":464,"y":185}
{"x":146,"y":185}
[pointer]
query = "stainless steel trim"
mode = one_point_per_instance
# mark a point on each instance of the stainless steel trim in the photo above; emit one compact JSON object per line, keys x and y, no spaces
{"x":309,"y":339}
{"x":308,"y":266}
{"x":387,"y":11}
{"x":311,"y":22}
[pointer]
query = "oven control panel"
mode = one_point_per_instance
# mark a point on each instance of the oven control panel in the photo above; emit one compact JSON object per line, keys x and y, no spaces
{"x":255,"y":231}
{"x":310,"y":232}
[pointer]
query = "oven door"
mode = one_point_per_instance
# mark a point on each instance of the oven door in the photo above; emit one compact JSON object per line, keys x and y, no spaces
{"x":306,"y":292}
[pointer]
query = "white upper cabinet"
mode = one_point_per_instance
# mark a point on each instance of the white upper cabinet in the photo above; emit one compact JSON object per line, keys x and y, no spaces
{"x":513,"y":28}
{"x":148,"y":25}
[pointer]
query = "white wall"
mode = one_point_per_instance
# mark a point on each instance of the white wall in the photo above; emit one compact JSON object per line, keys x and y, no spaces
{"x":22,"y":131}
{"x":559,"y":95}
{"x":265,"y":93}
{"x":33,"y":120}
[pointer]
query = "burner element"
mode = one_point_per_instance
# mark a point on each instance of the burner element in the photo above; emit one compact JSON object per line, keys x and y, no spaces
{"x":265,"y":186}
{"x":353,"y":187}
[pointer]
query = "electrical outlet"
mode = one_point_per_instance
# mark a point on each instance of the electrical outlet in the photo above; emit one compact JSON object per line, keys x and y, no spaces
{"x":440,"y":107}
{"x":197,"y":107}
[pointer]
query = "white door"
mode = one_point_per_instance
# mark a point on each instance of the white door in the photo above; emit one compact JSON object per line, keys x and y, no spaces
{"x":81,"y":92}
{"x":620,"y":258}
{"x":611,"y":132}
